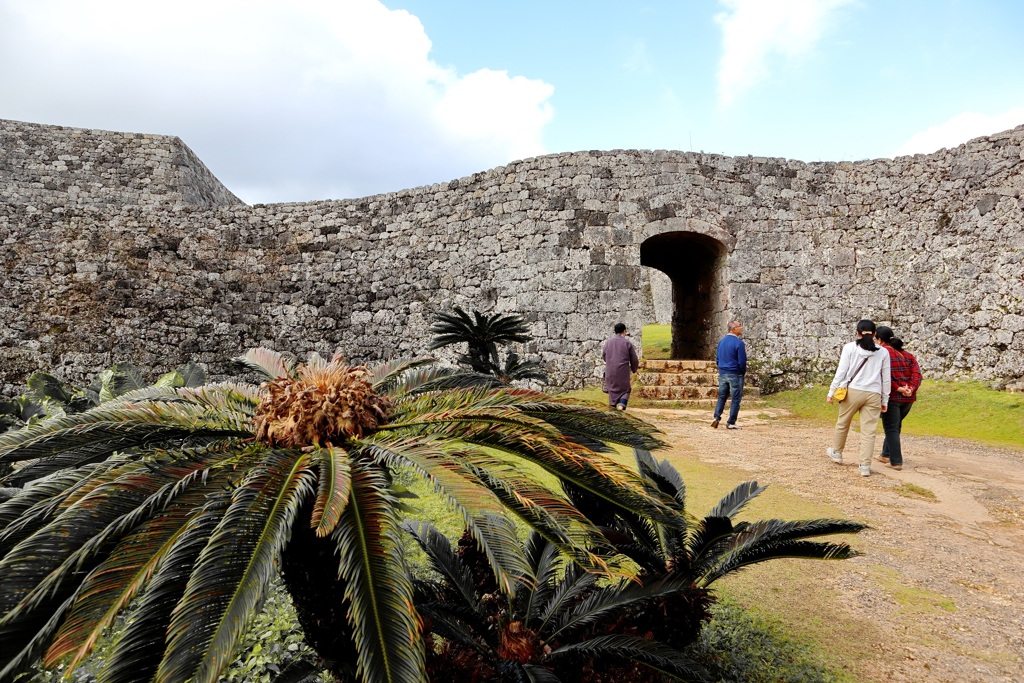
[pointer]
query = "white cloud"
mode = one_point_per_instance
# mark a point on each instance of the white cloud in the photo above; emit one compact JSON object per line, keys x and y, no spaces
{"x":292,"y":101}
{"x":754,"y":30}
{"x":960,"y":129}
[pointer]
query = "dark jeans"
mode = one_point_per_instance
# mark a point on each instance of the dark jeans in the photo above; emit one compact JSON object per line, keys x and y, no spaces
{"x":892,"y":423}
{"x":729,"y":385}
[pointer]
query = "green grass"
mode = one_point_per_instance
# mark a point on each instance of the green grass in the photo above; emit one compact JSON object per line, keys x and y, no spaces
{"x":738,"y":645}
{"x":657,"y":341}
{"x":908,"y":490}
{"x":960,"y":410}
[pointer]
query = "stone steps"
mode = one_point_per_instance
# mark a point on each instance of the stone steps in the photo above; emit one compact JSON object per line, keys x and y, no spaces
{"x":693,"y":382}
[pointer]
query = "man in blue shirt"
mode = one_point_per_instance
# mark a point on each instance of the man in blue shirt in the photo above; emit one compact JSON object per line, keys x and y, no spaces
{"x":731,"y":357}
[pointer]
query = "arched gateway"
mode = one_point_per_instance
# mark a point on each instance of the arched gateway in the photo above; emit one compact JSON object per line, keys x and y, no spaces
{"x":695,"y":266}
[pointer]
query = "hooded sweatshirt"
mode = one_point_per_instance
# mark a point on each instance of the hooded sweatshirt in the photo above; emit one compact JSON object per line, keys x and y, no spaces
{"x":874,"y":376}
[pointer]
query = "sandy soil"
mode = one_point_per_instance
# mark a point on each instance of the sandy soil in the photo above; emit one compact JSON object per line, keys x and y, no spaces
{"x":963,"y":550}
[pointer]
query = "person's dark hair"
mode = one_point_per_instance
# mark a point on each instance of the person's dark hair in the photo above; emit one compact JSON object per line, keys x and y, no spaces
{"x":620,"y":328}
{"x":896,"y":343}
{"x":866,"y":328}
{"x":885,"y":334}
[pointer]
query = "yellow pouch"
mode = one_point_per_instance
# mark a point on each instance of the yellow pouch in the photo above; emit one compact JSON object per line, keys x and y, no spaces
{"x":840,"y":394}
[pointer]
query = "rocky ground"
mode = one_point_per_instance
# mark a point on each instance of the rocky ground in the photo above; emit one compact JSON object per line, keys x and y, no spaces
{"x":941,"y":581}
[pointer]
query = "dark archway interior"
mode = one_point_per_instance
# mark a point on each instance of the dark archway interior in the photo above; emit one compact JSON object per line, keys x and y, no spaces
{"x":695,"y":263}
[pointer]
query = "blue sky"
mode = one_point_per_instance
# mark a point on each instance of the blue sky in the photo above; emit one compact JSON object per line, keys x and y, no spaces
{"x":319,"y":99}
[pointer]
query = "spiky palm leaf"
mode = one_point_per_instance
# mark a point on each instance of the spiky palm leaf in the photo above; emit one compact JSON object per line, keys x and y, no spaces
{"x":479,"y":331}
{"x":483,"y":333}
{"x":551,"y":626}
{"x":166,"y":499}
{"x":715,"y":545}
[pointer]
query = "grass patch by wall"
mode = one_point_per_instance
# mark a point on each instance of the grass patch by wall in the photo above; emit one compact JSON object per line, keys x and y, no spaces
{"x":657,"y":341}
{"x":960,"y":410}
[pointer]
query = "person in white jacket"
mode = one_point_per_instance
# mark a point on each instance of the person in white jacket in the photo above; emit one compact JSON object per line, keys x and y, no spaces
{"x":864,"y":369}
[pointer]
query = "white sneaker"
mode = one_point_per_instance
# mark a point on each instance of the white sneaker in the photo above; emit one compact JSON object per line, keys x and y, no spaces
{"x":865,"y":470}
{"x":836,"y":456}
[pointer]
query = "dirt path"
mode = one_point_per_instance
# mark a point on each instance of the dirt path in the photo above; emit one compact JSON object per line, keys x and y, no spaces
{"x":961,"y":552}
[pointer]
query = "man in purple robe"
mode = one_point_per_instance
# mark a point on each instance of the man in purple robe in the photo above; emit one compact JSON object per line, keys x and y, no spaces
{"x":620,"y":361}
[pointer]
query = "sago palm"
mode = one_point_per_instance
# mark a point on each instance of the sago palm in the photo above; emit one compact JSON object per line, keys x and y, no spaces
{"x":482,"y":333}
{"x":180,"y":504}
{"x":703,"y":551}
{"x":560,"y":624}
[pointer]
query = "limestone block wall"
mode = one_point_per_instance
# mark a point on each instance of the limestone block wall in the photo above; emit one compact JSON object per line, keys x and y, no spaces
{"x":53,"y":165}
{"x":930,"y":244}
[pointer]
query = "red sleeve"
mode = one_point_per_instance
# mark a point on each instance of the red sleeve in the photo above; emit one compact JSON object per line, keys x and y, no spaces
{"x":915,"y":372}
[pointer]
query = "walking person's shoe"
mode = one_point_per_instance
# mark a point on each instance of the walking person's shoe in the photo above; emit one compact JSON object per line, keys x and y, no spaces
{"x":836,"y":456}
{"x":714,"y":423}
{"x":730,"y":426}
{"x":898,"y":468}
{"x":865,"y":470}
{"x":882,"y":458}
{"x":619,"y":406}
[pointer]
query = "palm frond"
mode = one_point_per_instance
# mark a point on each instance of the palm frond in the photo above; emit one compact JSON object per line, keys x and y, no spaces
{"x":233,"y":570}
{"x":455,"y":623}
{"x":772,"y":551}
{"x":144,"y":537}
{"x":547,"y":513}
{"x":270,"y":364}
{"x":736,"y":500}
{"x":385,"y":626}
{"x":602,"y":603}
{"x":42,"y":571}
{"x":335,"y":485}
{"x":96,"y":434}
{"x":421,"y":380}
{"x":547,"y":564}
{"x":16,"y":658}
{"x":137,"y":653}
{"x":772,"y":539}
{"x":461,"y":490}
{"x":36,"y":504}
{"x":30,"y":569}
{"x":574,"y":584}
{"x":481,"y":329}
{"x":444,"y":561}
{"x":594,"y":473}
{"x":602,"y":425}
{"x":662,"y":475}
{"x":538,"y":674}
{"x":706,"y":541}
{"x":387,"y":375}
{"x":650,"y":653}
{"x":234,"y":398}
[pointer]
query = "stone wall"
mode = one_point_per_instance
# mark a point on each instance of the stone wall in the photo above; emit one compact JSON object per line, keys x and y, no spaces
{"x":932,"y":245}
{"x":57,"y":166}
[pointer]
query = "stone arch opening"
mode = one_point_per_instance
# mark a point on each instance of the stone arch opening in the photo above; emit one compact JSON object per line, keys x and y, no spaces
{"x":695,"y":266}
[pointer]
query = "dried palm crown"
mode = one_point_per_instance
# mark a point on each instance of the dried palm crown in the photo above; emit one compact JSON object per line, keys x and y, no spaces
{"x":325,"y":403}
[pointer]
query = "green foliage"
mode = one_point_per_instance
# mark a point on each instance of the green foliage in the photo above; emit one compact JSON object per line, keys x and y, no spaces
{"x":483,"y":333}
{"x":657,"y":342}
{"x":961,"y":410}
{"x":559,"y":622}
{"x":169,"y":501}
{"x":273,"y":642}
{"x":738,"y":647}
